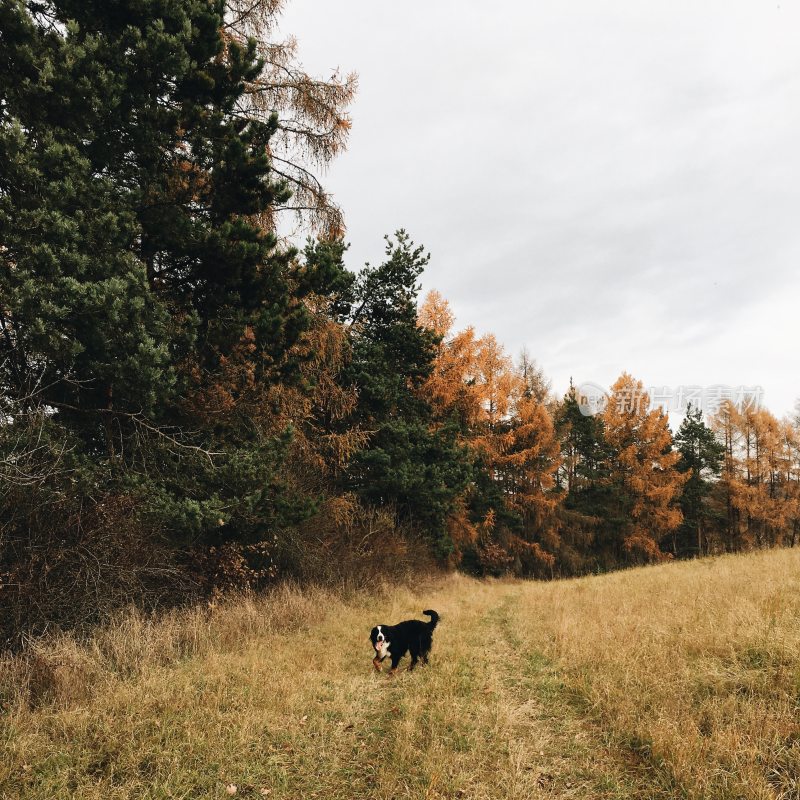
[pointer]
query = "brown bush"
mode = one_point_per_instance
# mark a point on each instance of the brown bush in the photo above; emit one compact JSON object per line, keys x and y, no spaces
{"x":347,"y":543}
{"x":70,"y":564}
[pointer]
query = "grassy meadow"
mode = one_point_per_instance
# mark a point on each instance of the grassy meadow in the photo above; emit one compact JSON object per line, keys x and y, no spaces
{"x":680,"y":680}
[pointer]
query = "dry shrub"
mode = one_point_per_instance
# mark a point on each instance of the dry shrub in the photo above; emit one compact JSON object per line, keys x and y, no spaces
{"x":349,"y":544}
{"x":59,"y":669}
{"x":494,"y":559}
{"x":75,"y":564}
{"x":234,"y":566}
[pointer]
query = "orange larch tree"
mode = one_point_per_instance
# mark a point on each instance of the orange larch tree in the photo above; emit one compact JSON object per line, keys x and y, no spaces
{"x":643,"y":478}
{"x":791,"y":430}
{"x":450,"y":388}
{"x":310,"y":114}
{"x":508,"y":513}
{"x":758,"y":484}
{"x":525,"y":467}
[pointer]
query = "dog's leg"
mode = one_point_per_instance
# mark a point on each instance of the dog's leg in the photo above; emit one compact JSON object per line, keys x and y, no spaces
{"x":395,"y":661}
{"x":425,"y":653}
{"x":376,"y":662}
{"x":425,"y":648}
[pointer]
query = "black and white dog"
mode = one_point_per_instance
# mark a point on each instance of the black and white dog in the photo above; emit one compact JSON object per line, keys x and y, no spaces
{"x":394,"y":641}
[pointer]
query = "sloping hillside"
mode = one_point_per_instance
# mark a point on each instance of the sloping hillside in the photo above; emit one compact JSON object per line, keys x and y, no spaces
{"x":675,"y":681}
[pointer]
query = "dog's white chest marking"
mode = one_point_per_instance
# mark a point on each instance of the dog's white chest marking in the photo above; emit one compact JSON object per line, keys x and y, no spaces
{"x":382,"y":645}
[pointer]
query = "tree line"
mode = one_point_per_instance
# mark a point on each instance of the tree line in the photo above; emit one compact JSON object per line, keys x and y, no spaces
{"x":190,"y":403}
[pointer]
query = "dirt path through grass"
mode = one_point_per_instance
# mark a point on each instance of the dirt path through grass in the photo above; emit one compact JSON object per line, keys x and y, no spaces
{"x":658,"y":683}
{"x":300,"y":714}
{"x":573,"y":757}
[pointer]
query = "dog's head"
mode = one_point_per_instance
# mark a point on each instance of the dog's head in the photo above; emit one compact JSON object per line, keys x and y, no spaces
{"x":379,"y":642}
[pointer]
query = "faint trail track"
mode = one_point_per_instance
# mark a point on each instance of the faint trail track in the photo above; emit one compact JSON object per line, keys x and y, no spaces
{"x":678,"y":681}
{"x":541,"y":745}
{"x":564,"y":750}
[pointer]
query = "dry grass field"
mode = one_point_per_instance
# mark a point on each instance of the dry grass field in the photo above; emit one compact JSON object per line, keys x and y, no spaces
{"x":681,"y":680}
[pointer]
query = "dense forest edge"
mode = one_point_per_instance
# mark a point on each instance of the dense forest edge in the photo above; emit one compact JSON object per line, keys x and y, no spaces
{"x":193,"y":405}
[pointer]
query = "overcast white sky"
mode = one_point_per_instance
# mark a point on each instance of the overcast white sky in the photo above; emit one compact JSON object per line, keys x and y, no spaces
{"x":615,"y":185}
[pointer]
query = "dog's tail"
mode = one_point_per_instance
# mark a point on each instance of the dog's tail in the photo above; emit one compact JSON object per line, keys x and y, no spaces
{"x":434,"y":617}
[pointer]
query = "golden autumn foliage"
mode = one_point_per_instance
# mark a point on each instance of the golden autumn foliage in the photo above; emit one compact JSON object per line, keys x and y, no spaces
{"x":320,"y":441}
{"x":497,"y":384}
{"x":312,"y":410}
{"x":528,"y":460}
{"x":313,"y":124}
{"x":312,"y":407}
{"x":511,"y":432}
{"x":643,"y":468}
{"x":759,"y":482}
{"x":450,"y":388}
{"x":505,"y":419}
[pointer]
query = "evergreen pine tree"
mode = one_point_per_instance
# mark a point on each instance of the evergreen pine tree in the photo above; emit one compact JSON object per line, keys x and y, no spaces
{"x":129,"y":204}
{"x":583,"y":477}
{"x":701,"y":456}
{"x":135,"y":271}
{"x":410,"y":462}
